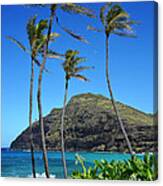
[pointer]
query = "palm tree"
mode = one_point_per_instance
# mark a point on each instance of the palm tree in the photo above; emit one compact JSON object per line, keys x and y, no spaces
{"x":72,"y":8}
{"x":115,"y":20}
{"x":45,"y":51}
{"x":71,"y":69}
{"x":35,"y":36}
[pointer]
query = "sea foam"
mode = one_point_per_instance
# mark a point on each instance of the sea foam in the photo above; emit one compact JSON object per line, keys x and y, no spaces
{"x":42,"y":175}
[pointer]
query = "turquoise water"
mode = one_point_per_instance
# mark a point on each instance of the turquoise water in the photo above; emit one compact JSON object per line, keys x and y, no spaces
{"x":18,"y":163}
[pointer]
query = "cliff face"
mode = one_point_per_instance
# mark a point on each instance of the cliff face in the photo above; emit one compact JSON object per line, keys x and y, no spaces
{"x":90,"y":125}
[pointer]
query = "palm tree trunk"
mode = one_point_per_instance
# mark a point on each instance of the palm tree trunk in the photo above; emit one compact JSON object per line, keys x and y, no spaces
{"x":39,"y":92}
{"x":112,"y":98}
{"x":42,"y":127}
{"x":62,"y":130}
{"x":30,"y":119}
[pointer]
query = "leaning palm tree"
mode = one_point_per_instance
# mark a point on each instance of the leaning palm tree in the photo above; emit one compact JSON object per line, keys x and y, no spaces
{"x":35,"y":37}
{"x":45,"y":52}
{"x":72,"y":8}
{"x":115,"y":20}
{"x":72,"y":70}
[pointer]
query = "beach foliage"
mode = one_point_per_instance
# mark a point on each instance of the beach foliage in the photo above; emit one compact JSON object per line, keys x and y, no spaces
{"x":134,"y":168}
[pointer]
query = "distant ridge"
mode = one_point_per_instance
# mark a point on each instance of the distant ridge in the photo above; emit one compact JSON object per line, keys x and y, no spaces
{"x":90,"y":125}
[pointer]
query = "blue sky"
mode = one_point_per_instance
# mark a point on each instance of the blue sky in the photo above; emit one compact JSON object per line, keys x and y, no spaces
{"x":131,"y":64}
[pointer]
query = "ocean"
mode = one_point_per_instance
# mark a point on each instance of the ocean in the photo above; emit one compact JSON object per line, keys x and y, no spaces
{"x":18,"y":163}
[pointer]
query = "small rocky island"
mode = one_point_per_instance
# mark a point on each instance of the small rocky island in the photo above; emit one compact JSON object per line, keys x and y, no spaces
{"x":90,"y":125}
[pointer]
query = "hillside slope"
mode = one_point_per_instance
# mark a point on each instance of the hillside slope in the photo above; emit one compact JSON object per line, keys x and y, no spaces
{"x":90,"y":125}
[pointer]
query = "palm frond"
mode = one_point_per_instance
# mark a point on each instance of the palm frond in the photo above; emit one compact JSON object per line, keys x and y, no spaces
{"x":71,"y":53}
{"x":40,"y":41}
{"x":102,"y":13}
{"x":121,"y":26}
{"x":80,"y":77}
{"x":133,"y":22}
{"x":82,"y":68}
{"x":51,"y":6}
{"x":77,"y":9}
{"x":124,"y":34}
{"x":71,"y":33}
{"x":38,"y":45}
{"x":21,"y":46}
{"x":41,"y":27}
{"x":79,"y":60}
{"x":122,"y":16}
{"x":90,"y":27}
{"x":18,"y":43}
{"x":74,"y":35}
{"x":39,"y":64}
{"x":36,"y":5}
{"x":55,"y":55}
{"x":115,"y":10}
{"x":36,"y":35}
{"x":117,"y":21}
{"x":54,"y":35}
{"x":71,"y":67}
{"x":78,"y":37}
{"x":31,"y":29}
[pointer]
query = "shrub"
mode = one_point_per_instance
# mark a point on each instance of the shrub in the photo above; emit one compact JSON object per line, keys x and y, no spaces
{"x":133,"y":169}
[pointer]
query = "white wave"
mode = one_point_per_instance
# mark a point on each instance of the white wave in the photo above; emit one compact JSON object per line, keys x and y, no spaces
{"x":41,"y":175}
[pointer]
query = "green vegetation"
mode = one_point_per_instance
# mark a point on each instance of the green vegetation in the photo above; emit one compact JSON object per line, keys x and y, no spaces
{"x":88,"y":127}
{"x":39,"y":89}
{"x":132,"y":169}
{"x":87,"y":122}
{"x":128,"y":113}
{"x":36,"y":38}
{"x":115,"y":20}
{"x":39,"y":44}
{"x":72,"y":69}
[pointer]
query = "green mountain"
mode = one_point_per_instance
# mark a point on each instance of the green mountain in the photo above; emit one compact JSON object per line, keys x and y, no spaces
{"x":90,"y":125}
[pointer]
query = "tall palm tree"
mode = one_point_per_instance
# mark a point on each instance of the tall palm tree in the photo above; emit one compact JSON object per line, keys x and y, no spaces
{"x":71,"y":69}
{"x":45,"y":51}
{"x":72,"y":8}
{"x":35,"y":35}
{"x":115,"y":20}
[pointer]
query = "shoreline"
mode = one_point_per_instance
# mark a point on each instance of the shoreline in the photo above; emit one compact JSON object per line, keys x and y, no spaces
{"x":53,"y":151}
